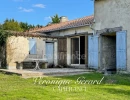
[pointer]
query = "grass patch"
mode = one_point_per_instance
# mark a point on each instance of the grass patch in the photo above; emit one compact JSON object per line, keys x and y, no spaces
{"x":114,"y":87}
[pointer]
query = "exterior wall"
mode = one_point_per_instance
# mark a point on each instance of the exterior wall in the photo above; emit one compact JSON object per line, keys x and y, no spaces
{"x":72,"y":31}
{"x":113,"y":13}
{"x":18,"y":47}
{"x":18,"y":50}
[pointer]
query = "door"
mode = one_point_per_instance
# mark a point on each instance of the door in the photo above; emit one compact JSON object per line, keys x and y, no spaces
{"x":50,"y":53}
{"x":62,"y":51}
{"x":93,"y":51}
{"x":75,"y":51}
{"x":121,"y":50}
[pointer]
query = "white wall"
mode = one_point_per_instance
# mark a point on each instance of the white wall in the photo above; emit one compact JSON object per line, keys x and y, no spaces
{"x":72,"y":31}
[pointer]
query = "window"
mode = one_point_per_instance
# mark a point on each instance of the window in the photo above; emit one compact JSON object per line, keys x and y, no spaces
{"x":32,"y":46}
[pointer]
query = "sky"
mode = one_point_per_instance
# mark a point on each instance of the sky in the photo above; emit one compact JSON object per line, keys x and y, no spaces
{"x":40,"y":11}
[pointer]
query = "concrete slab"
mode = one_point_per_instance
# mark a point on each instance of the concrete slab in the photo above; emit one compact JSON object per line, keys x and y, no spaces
{"x":28,"y":73}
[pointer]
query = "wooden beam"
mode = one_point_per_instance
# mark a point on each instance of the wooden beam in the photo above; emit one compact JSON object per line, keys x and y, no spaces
{"x":79,"y":34}
{"x":109,"y":30}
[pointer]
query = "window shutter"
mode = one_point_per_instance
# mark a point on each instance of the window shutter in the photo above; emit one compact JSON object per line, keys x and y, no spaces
{"x":32,"y":46}
{"x":93,"y":51}
{"x":121,"y":50}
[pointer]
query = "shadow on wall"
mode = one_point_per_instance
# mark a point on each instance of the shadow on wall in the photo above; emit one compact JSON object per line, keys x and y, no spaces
{"x":2,"y":57}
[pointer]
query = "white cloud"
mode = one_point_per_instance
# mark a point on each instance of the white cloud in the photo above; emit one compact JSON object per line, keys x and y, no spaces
{"x":47,"y":18}
{"x":25,"y":10}
{"x":39,"y":5}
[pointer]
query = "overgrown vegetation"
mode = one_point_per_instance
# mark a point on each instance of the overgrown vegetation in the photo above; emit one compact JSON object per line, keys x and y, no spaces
{"x":3,"y":39}
{"x":114,"y":87}
{"x":13,"y":25}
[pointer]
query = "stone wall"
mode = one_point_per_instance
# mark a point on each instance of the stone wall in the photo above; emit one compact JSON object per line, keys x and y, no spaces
{"x":18,"y":50}
{"x":113,"y":13}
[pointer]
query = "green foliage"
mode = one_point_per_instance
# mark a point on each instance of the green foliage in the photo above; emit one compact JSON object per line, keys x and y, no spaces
{"x":38,"y":25}
{"x":1,"y":26}
{"x":3,"y":37}
{"x":12,"y":25}
{"x":55,"y":19}
{"x":26,"y":26}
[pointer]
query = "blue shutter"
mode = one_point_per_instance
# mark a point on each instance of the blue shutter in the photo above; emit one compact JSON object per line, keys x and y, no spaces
{"x":32,"y":46}
{"x":50,"y":53}
{"x":93,"y":52}
{"x":121,"y":50}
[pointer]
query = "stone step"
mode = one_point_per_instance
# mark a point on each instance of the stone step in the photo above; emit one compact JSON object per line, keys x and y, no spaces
{"x":29,"y":75}
{"x":32,"y":74}
{"x":46,"y":72}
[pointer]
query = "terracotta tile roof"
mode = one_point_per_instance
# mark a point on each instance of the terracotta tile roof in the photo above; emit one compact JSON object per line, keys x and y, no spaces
{"x":66,"y":25}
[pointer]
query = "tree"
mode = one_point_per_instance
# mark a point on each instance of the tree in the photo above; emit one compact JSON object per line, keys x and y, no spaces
{"x":7,"y":20}
{"x":38,"y":25}
{"x":55,"y":19}
{"x":1,"y":26}
{"x":24,"y":26}
{"x":12,"y":25}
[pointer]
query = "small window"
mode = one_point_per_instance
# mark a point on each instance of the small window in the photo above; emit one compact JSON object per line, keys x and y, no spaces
{"x":32,"y":46}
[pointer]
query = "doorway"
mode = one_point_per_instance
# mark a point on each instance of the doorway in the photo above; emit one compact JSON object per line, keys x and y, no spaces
{"x":108,"y":51}
{"x":78,"y":50}
{"x":114,"y":51}
{"x":50,"y":54}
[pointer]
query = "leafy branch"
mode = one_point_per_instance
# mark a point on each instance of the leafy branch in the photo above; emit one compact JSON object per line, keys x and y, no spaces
{"x":4,"y":36}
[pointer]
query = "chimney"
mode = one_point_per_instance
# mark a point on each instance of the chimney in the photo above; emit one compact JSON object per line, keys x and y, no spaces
{"x":63,"y":19}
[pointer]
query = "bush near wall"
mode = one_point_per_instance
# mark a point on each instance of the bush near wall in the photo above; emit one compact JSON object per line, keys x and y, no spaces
{"x":3,"y":38}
